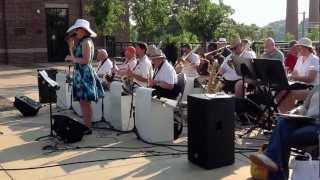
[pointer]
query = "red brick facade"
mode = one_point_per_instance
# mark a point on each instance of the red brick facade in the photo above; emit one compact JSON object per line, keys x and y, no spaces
{"x":23,"y":36}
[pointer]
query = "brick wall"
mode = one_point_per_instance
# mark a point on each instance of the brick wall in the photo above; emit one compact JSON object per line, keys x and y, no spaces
{"x":27,"y":32}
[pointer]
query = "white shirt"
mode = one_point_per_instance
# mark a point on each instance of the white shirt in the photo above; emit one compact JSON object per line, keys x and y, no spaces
{"x":189,"y":69}
{"x":310,"y":64}
{"x":144,"y":69}
{"x":131,"y":64}
{"x":229,"y":73}
{"x":166,"y":73}
{"x":104,"y":68}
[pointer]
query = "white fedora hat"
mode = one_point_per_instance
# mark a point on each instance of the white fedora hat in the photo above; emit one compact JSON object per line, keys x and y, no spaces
{"x":306,"y":42}
{"x":82,"y":23}
{"x":153,"y":52}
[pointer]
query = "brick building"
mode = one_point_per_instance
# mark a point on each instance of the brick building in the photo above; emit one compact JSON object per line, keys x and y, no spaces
{"x":33,"y":31}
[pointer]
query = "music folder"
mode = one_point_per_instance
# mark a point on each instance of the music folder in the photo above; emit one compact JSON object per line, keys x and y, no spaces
{"x":52,"y":84}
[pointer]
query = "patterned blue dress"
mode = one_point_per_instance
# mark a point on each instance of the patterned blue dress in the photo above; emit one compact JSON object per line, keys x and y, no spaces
{"x":86,"y":84}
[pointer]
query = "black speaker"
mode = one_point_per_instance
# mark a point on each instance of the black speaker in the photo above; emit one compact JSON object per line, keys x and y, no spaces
{"x":211,"y":130}
{"x":45,"y":95}
{"x":68,"y":129}
{"x":26,"y":106}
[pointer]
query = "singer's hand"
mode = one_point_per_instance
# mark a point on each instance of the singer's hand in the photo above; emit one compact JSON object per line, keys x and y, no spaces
{"x":70,"y":42}
{"x":69,"y":58}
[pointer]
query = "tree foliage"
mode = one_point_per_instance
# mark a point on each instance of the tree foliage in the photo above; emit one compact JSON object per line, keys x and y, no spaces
{"x":314,"y":35}
{"x":151,"y":17}
{"x":204,"y":18}
{"x":107,"y":15}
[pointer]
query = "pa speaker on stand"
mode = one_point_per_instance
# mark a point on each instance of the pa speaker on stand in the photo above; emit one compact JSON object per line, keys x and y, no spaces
{"x":211,"y":130}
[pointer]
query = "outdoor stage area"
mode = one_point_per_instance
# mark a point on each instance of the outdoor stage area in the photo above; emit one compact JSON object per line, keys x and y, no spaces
{"x":18,"y":148}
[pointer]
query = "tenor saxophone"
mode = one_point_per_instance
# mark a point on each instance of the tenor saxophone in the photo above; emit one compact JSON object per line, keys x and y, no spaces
{"x":214,"y":84}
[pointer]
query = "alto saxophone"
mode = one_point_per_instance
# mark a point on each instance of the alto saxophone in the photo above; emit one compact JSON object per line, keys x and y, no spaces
{"x":214,"y":84}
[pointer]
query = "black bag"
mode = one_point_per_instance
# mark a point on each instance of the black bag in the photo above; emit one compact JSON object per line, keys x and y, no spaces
{"x":67,"y":129}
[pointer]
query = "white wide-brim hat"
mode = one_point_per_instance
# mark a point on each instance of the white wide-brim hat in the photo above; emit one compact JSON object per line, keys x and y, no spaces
{"x":82,"y":23}
{"x":306,"y":42}
{"x":153,"y":52}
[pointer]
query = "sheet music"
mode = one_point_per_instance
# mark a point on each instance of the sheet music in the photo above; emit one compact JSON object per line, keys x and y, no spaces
{"x":51,"y":82}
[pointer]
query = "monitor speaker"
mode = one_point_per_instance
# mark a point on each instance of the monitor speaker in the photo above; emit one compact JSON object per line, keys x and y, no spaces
{"x":211,"y":130}
{"x":26,"y":106}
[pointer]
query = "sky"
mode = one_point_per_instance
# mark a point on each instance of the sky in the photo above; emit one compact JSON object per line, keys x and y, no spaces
{"x":262,"y":12}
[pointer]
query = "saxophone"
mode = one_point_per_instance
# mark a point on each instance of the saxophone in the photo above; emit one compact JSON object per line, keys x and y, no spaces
{"x":214,"y":84}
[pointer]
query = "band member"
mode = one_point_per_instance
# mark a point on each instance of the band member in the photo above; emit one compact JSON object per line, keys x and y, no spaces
{"x":190,"y":67}
{"x":306,"y":71}
{"x":86,"y":84}
{"x":222,"y":42}
{"x":246,"y":44}
{"x":227,"y":70}
{"x":164,"y":77}
{"x":143,"y":70}
{"x":129,"y":63}
{"x":105,"y":65}
{"x":270,"y":50}
{"x":292,"y":56}
{"x":290,"y":133}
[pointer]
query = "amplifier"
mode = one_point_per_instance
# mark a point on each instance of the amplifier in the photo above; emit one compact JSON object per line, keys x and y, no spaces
{"x":211,"y":130}
{"x":26,"y":106}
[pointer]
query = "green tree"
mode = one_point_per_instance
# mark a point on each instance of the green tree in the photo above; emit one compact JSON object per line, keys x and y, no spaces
{"x":150,"y":17}
{"x":204,"y":18}
{"x":107,"y":15}
{"x":289,"y":37}
{"x":314,"y":35}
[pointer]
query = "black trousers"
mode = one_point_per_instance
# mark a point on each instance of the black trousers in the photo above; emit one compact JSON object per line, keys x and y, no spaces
{"x":166,"y":93}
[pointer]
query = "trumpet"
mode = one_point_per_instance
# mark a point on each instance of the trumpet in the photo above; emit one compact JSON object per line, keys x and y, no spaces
{"x":215,"y":51}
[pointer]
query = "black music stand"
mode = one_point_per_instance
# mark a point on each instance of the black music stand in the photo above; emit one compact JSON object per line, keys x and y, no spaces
{"x":53,"y":87}
{"x":271,"y":74}
{"x":245,"y":68}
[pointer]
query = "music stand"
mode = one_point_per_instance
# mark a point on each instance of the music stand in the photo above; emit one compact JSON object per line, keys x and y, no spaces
{"x":244,"y":67}
{"x":271,"y":72}
{"x":52,"y":86}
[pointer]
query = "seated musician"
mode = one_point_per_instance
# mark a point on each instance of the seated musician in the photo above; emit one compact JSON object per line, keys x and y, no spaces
{"x":290,"y":133}
{"x":292,"y":56}
{"x":129,"y":63}
{"x":164,"y":78}
{"x":227,"y":70}
{"x":306,"y":71}
{"x":222,"y":43}
{"x":249,"y":54}
{"x":143,"y":70}
{"x":104,"y":63}
{"x":270,"y":50}
{"x":190,"y":67}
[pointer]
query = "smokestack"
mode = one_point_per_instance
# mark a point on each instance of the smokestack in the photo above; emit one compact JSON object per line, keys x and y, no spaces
{"x":314,"y":13}
{"x":292,"y":18}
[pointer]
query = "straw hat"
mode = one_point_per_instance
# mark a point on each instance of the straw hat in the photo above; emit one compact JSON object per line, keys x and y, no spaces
{"x":306,"y":42}
{"x":153,"y":52}
{"x":82,"y":23}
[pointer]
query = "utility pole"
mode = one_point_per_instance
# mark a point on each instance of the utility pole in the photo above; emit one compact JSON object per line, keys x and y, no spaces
{"x":303,"y":22}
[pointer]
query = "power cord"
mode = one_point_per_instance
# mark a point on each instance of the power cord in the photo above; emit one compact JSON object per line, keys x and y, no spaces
{"x":91,"y":161}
